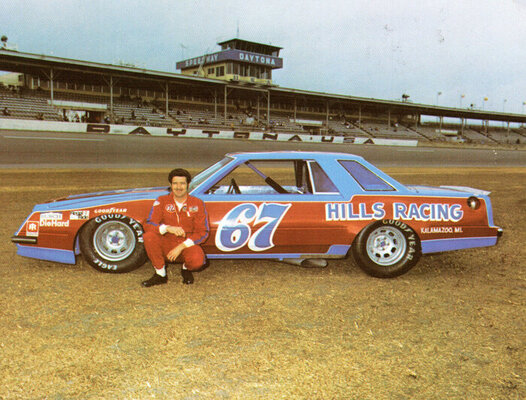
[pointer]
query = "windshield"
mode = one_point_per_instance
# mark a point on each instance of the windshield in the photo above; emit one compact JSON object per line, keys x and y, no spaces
{"x":203,"y":175}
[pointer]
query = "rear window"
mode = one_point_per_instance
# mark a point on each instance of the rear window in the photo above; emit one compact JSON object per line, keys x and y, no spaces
{"x":367,"y":179}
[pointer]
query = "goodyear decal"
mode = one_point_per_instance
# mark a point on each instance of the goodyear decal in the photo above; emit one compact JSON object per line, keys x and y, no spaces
{"x":411,"y":211}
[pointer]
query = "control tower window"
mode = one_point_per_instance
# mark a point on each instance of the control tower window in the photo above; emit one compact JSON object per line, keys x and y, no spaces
{"x":220,"y":71}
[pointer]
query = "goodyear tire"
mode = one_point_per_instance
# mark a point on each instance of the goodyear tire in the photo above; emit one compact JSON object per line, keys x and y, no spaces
{"x":113,"y":243}
{"x":386,"y":249}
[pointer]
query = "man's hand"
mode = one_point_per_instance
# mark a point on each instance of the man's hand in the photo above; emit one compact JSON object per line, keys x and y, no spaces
{"x":175,"y":252}
{"x":175,"y":230}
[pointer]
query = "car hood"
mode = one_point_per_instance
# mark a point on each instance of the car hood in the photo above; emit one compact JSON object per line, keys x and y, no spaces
{"x":84,"y":200}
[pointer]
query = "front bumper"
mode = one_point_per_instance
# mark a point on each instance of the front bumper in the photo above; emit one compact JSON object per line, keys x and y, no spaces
{"x":24,"y":239}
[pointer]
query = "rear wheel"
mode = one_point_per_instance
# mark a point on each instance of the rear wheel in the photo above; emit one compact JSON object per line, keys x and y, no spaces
{"x":113,"y":243}
{"x":386,"y":249}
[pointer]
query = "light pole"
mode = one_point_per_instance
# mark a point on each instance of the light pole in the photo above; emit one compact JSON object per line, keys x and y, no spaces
{"x":504,"y":108}
{"x":484,"y":103}
{"x":438,"y":118}
{"x":460,"y":101}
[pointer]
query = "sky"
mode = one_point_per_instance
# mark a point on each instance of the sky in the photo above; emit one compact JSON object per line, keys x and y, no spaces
{"x":445,"y":52}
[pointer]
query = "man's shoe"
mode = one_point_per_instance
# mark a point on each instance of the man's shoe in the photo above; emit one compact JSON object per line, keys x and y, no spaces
{"x":156,"y":279}
{"x":188,"y":277}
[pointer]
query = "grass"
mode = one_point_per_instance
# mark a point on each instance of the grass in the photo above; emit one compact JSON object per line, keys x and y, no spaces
{"x":452,"y":328}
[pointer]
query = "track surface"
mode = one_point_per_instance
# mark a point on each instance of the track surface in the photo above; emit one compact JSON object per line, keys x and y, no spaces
{"x":65,"y":150}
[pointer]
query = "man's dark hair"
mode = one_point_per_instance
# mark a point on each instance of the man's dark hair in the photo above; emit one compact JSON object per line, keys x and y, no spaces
{"x":179,"y":172}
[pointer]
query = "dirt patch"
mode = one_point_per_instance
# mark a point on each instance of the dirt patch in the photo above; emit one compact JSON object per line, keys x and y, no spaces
{"x":452,"y":328}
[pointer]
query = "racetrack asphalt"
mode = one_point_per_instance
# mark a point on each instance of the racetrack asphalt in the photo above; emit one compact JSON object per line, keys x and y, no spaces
{"x":19,"y":149}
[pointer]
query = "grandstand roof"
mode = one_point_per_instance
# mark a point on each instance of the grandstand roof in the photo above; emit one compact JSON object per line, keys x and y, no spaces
{"x":93,"y":73}
{"x":247,"y":45}
{"x":89,"y":71}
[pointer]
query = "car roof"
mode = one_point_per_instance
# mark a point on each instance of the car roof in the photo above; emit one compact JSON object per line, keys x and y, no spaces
{"x":297,"y":155}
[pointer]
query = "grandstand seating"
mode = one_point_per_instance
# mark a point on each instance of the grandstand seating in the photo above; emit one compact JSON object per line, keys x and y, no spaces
{"x":202,"y":114}
{"x":395,"y":132}
{"x":132,"y":114}
{"x":503,"y":136}
{"x":341,"y":127}
{"x":26,"y":107}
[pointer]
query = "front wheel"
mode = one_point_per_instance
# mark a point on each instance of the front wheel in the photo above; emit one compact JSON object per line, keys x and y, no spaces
{"x":113,"y":243}
{"x":386,"y":249}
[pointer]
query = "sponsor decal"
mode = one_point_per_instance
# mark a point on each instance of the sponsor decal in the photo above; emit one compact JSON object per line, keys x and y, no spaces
{"x":400,"y":211}
{"x":428,"y":212}
{"x":110,"y":210}
{"x":170,"y":208}
{"x":50,"y":216}
{"x":238,"y":226}
{"x":32,"y":228}
{"x":194,"y":209}
{"x":54,"y":223}
{"x":98,"y":128}
{"x":353,"y":212}
{"x":156,"y":203}
{"x":79,"y":214}
{"x":441,"y":229}
{"x":53,"y":220}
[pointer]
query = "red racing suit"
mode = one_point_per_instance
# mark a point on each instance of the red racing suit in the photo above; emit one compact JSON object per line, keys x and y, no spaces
{"x":192,"y":217}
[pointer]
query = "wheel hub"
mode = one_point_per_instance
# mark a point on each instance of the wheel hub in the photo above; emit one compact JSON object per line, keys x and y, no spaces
{"x":114,"y":240}
{"x":386,"y":246}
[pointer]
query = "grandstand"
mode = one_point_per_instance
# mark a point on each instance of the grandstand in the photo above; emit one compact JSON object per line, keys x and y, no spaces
{"x":202,"y":97}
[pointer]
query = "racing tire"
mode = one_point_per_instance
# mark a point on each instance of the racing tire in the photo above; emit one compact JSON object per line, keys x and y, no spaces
{"x":113,"y":243}
{"x":386,"y":249}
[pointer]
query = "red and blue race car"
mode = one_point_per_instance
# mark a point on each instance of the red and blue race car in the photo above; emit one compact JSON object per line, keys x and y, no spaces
{"x":298,"y":207}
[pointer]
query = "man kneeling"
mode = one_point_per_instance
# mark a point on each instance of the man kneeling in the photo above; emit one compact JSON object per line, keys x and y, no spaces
{"x":177,"y":224}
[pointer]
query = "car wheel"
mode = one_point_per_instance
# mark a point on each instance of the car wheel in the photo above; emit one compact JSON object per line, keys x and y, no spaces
{"x":386,"y":249}
{"x":113,"y":243}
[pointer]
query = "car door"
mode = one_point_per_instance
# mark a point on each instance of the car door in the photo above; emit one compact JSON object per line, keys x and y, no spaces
{"x":270,"y":209}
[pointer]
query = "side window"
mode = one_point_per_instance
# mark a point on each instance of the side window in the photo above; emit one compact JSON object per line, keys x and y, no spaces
{"x":367,"y":179}
{"x":264,"y":177}
{"x":320,"y":180}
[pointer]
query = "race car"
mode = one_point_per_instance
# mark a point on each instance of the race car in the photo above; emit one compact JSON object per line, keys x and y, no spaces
{"x":299,"y":207}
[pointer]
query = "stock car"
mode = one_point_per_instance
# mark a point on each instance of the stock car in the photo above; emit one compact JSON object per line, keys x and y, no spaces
{"x":299,"y":207}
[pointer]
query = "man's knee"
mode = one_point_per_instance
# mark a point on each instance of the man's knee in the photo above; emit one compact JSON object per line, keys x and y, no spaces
{"x":194,"y":258}
{"x":150,"y":237}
